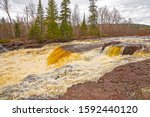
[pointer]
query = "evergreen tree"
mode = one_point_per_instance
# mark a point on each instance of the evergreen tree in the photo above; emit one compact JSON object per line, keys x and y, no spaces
{"x":53,"y":31}
{"x":40,"y":16}
{"x":66,"y":28}
{"x":83,"y":29}
{"x":17,"y":29}
{"x":36,"y":31}
{"x":93,"y":19}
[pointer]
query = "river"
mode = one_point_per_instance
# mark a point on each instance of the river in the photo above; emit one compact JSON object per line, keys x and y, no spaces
{"x":47,"y":72}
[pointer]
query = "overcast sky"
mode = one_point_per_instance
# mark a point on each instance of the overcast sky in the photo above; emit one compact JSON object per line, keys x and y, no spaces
{"x":138,"y":10}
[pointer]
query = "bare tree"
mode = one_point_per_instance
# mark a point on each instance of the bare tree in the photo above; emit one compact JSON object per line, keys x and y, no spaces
{"x":30,"y":13}
{"x":29,"y":17}
{"x":104,"y":18}
{"x":5,"y":6}
{"x":76,"y":19}
{"x":26,"y":10}
{"x":115,"y":16}
{"x":32,"y":10}
{"x":103,"y":15}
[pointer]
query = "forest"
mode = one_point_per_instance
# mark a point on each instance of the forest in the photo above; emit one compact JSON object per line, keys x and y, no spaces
{"x":52,"y":24}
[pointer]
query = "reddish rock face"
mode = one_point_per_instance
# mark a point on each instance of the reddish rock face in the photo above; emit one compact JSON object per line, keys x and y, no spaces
{"x":131,"y":49}
{"x":131,"y":81}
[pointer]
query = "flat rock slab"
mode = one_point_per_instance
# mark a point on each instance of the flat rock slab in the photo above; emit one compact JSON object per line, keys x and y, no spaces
{"x":123,"y":83}
{"x":78,"y":48}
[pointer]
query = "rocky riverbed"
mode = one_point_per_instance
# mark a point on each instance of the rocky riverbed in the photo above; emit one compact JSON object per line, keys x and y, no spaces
{"x":126,"y":82}
{"x":49,"y":72}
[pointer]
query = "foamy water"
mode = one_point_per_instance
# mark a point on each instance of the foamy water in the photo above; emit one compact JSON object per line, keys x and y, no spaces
{"x":15,"y":66}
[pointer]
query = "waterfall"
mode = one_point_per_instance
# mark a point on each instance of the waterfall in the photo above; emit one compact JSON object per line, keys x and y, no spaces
{"x":60,"y":57}
{"x":116,"y":50}
{"x":113,"y":51}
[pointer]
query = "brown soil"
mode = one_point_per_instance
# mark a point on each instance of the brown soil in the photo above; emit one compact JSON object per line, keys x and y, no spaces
{"x":131,"y":81}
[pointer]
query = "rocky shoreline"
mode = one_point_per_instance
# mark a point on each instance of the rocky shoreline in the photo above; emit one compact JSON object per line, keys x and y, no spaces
{"x":127,"y":82}
{"x":20,"y":45}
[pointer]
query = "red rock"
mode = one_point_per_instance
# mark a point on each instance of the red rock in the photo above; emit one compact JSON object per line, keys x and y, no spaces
{"x":124,"y":82}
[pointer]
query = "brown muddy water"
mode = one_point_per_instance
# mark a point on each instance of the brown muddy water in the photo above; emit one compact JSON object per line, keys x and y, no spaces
{"x":47,"y":72}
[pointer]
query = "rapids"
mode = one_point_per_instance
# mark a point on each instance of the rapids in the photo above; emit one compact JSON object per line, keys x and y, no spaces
{"x":48,"y":72}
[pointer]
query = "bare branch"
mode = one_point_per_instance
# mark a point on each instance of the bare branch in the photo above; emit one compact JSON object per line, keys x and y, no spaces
{"x":4,"y":5}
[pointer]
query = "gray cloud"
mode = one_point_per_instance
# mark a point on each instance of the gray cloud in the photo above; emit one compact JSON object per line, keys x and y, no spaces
{"x":20,"y":1}
{"x":138,"y":10}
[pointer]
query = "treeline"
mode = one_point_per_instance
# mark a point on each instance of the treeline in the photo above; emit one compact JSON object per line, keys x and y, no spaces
{"x":67,"y":24}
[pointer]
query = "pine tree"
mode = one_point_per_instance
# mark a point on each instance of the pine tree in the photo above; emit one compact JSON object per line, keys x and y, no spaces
{"x":36,"y":31}
{"x":93,"y":19}
{"x":83,"y":28}
{"x":66,"y":28}
{"x":17,"y":29}
{"x":53,"y":31}
{"x":40,"y":16}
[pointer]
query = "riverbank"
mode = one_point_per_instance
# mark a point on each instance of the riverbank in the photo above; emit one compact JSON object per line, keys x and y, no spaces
{"x":22,"y":43}
{"x":126,"y":82}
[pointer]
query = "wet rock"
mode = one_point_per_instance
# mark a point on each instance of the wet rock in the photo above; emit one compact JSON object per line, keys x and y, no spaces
{"x":78,"y":48}
{"x":31,"y":78}
{"x":8,"y":93}
{"x":131,"y":49}
{"x":64,"y":70}
{"x":128,"y":48}
{"x":33,"y":46}
{"x":2,"y":49}
{"x":13,"y":45}
{"x":110,"y":44}
{"x":20,"y":45}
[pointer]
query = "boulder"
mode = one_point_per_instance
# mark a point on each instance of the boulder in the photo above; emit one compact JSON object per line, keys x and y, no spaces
{"x":110,"y":44}
{"x":2,"y":49}
{"x":130,"y":49}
